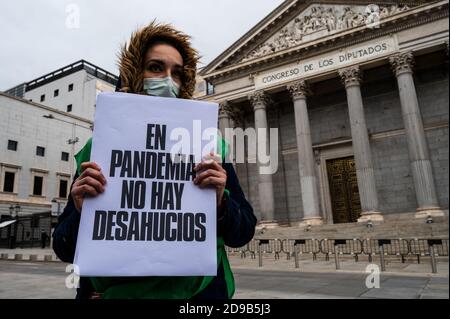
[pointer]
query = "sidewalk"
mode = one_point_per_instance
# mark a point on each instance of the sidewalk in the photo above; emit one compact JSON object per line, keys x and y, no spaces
{"x":320,"y":279}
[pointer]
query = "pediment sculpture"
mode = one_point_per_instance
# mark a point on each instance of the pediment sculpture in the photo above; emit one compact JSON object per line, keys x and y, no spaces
{"x":321,"y":21}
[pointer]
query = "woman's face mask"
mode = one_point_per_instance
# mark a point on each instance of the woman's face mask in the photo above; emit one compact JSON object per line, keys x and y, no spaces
{"x":162,"y":87}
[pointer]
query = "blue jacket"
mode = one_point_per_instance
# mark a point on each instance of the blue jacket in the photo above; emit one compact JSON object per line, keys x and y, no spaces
{"x":236,"y":224}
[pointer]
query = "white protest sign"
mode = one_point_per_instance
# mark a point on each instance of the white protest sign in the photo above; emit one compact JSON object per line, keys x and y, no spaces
{"x":151,"y":220}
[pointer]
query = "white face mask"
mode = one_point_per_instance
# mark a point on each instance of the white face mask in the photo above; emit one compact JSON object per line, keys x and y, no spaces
{"x":162,"y":87}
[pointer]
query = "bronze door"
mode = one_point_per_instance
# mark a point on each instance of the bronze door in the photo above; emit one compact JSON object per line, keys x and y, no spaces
{"x":344,"y":190}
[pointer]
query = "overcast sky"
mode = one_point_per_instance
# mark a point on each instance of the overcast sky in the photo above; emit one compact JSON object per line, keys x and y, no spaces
{"x":38,"y":37}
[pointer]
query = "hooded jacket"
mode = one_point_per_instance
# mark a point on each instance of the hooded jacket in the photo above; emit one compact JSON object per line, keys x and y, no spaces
{"x":132,"y":58}
{"x":236,"y":221}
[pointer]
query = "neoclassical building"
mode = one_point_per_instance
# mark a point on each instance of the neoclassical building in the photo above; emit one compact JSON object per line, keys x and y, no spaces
{"x":359,"y":94}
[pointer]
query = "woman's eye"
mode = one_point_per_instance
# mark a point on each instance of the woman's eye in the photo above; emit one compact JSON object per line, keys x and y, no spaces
{"x":154,"y":68}
{"x":177,"y":74}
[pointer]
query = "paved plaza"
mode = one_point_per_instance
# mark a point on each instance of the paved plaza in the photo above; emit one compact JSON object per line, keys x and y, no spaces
{"x":276,"y":279}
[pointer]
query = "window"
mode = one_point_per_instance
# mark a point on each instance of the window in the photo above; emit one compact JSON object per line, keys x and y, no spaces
{"x":8,"y":184}
{"x":9,"y":178}
{"x":55,"y":93}
{"x":69,"y":108}
{"x":63,"y":185}
{"x":40,"y":151}
{"x":70,"y":87}
{"x":12,"y":145}
{"x":37,"y":185}
{"x":209,"y":88}
{"x":63,"y":188}
{"x":65,"y":156}
{"x":42,"y":97}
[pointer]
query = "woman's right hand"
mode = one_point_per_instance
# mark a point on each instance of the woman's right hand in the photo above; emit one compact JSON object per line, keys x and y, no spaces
{"x":90,"y":183}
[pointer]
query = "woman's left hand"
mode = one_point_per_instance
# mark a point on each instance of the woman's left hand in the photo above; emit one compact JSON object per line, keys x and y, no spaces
{"x":211,"y":173}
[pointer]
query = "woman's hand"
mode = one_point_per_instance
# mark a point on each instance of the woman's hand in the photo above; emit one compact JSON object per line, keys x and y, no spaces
{"x":90,"y":183}
{"x":211,"y":173}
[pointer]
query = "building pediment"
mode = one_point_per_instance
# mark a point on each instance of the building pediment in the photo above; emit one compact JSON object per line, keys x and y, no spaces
{"x":319,"y":21}
{"x":296,"y":23}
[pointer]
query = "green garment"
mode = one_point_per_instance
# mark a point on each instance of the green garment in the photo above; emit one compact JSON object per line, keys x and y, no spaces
{"x":158,"y":287}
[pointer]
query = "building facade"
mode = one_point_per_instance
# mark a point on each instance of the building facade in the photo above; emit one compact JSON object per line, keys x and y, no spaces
{"x":72,"y":89}
{"x":43,"y":124}
{"x":37,"y":145}
{"x":358,"y":91}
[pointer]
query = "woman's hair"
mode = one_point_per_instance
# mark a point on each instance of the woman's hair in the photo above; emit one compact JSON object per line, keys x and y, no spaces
{"x":132,"y":57}
{"x":167,"y":41}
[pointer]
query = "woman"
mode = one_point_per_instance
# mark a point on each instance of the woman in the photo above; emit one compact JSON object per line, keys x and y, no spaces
{"x":160,"y":61}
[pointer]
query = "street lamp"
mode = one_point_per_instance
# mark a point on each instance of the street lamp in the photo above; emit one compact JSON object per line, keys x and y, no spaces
{"x":17,"y":208}
{"x":72,"y":142}
{"x":57,"y":207}
{"x":14,"y":210}
{"x":11,"y":211}
{"x":12,"y":233}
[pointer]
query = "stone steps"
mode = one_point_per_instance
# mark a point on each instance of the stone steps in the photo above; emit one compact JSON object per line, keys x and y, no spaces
{"x":407,"y":227}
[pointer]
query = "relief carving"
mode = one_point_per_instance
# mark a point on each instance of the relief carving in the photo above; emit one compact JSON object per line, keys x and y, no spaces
{"x":322,"y":21}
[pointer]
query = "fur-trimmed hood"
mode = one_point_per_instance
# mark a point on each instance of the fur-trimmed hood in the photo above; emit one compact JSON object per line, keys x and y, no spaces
{"x":131,"y":58}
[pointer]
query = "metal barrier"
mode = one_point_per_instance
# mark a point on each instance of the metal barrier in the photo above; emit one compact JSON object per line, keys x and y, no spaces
{"x":385,"y":247}
{"x":429,"y":247}
{"x":299,"y":247}
{"x":231,"y":250}
{"x":251,"y":248}
{"x":352,"y":247}
{"x":287,"y":247}
{"x":277,"y":248}
{"x":268,"y":246}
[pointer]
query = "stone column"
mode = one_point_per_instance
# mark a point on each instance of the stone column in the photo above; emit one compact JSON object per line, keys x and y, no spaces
{"x":351,"y":78}
{"x":306,"y":163}
{"x":419,"y":156}
{"x":260,"y":101}
{"x":224,"y":117}
{"x":224,"y":124}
